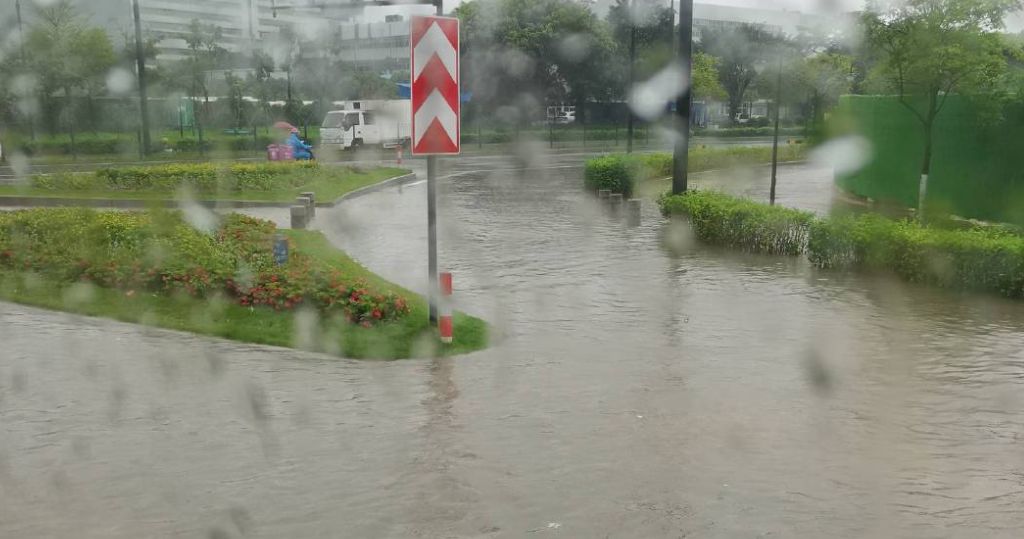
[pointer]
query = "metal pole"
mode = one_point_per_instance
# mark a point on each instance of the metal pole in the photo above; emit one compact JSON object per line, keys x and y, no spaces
{"x":775,"y":140}
{"x":140,"y":61}
{"x":680,"y":160}
{"x":632,"y":75}
{"x":432,"y":287}
{"x":432,"y":237}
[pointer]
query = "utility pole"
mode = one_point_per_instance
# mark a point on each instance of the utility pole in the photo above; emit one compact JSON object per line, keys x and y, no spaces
{"x":632,"y":74}
{"x":775,"y":140}
{"x":140,"y":61}
{"x":680,"y":157}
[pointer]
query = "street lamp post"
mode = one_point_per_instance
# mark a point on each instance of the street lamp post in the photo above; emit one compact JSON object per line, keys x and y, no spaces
{"x":680,"y":157}
{"x":24,"y":64}
{"x":140,"y":62}
{"x":775,"y":138}
{"x":632,"y":74}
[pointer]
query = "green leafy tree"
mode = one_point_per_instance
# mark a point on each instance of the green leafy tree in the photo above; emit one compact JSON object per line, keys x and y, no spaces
{"x":655,"y":37}
{"x":67,"y":57}
{"x":927,"y":50}
{"x":190,"y":73}
{"x":521,"y":52}
{"x":739,"y":51}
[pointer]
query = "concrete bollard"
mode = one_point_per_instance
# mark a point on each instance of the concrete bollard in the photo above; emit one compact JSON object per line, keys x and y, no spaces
{"x":603,"y":194}
{"x":312,"y":203}
{"x":304,"y":200}
{"x":300,"y":216}
{"x":633,"y":211}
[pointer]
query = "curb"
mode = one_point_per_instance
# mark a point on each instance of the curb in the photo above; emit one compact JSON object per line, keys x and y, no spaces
{"x":130,"y":203}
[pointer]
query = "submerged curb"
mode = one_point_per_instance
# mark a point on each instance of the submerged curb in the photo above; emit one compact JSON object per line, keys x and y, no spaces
{"x":135,"y":203}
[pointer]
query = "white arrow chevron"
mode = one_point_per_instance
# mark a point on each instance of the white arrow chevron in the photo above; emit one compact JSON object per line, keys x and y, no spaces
{"x":436,"y":107}
{"x":435,"y":42}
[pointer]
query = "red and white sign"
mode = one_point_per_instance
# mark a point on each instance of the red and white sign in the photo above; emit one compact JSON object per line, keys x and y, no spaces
{"x":435,"y":92}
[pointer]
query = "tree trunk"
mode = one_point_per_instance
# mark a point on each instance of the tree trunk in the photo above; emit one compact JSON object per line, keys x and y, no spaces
{"x":71,"y":120}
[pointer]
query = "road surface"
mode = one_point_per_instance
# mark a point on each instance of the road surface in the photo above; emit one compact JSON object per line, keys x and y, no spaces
{"x":644,"y":386}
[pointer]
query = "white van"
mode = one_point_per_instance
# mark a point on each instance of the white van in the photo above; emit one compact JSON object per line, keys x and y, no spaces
{"x":387,"y":123}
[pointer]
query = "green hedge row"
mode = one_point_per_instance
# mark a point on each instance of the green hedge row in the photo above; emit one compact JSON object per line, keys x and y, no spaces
{"x":620,"y":173}
{"x":722,"y":219}
{"x":731,"y":132}
{"x":201,"y":177}
{"x":111,"y":144}
{"x":978,"y":259}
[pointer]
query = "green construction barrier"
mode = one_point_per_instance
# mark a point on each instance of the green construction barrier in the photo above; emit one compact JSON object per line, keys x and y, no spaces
{"x":978,"y":160}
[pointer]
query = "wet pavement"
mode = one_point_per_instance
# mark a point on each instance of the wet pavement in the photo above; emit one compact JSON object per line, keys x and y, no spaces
{"x":644,"y":386}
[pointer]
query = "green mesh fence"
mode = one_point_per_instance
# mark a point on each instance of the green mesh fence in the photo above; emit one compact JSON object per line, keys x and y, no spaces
{"x":977,"y":167}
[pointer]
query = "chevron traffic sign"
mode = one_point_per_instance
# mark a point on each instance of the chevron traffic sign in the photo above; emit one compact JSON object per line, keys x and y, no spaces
{"x":435,"y":91}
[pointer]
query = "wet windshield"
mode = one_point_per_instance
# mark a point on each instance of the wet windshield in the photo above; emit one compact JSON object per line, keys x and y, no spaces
{"x":585,"y":268}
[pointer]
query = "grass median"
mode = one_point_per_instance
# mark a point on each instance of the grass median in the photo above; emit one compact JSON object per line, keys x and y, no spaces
{"x":229,"y":182}
{"x":153,"y":268}
{"x":647,"y":174}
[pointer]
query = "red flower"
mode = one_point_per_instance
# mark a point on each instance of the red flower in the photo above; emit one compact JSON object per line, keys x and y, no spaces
{"x":377,"y":314}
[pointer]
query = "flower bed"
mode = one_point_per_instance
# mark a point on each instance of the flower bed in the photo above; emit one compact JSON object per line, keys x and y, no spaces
{"x":160,"y":253}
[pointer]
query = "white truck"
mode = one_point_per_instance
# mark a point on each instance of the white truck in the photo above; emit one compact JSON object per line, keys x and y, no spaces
{"x":387,"y":123}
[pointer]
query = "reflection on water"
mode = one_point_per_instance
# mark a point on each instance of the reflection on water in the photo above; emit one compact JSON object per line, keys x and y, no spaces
{"x":647,"y":386}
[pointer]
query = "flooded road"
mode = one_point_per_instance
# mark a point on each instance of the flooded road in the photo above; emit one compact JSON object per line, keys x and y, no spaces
{"x":644,"y":386}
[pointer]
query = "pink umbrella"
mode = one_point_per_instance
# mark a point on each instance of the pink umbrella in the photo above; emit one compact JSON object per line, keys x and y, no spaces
{"x":284,"y":125}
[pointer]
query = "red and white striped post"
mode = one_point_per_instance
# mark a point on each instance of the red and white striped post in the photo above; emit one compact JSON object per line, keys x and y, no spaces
{"x":445,"y":318}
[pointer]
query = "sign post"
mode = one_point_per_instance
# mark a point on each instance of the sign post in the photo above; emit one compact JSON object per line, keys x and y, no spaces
{"x":435,"y":95}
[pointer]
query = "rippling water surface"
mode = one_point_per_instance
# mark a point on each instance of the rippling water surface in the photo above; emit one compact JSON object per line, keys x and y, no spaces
{"x":644,"y":386}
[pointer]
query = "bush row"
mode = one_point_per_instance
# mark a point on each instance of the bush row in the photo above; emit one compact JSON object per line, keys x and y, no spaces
{"x":721,"y":219}
{"x":159,"y":252}
{"x":979,"y":259}
{"x":111,"y":144}
{"x":201,"y":177}
{"x":729,"y":132}
{"x":621,"y":172}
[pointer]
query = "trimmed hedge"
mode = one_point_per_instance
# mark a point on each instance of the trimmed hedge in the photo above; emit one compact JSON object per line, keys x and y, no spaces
{"x":201,"y":177}
{"x":620,"y":173}
{"x":979,"y":259}
{"x":731,"y":132}
{"x":721,"y":219}
{"x":113,"y":143}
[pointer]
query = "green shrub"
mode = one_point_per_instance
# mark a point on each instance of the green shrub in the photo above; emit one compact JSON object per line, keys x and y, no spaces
{"x":974,"y":259}
{"x":987,"y":259}
{"x":729,"y":132}
{"x":720,"y":219}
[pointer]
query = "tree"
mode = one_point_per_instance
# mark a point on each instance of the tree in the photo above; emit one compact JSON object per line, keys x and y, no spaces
{"x":822,"y":78}
{"x":190,"y":73}
{"x":519,"y":52}
{"x":67,"y":55}
{"x":655,"y":49}
{"x":739,"y":51}
{"x":928,"y":50}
